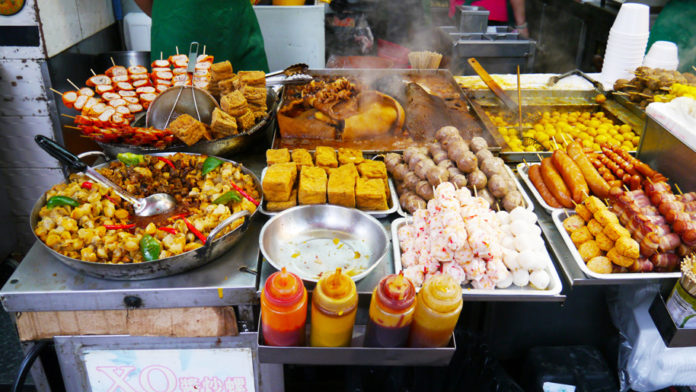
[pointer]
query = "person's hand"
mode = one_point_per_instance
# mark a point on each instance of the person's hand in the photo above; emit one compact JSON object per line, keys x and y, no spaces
{"x":522,"y":30}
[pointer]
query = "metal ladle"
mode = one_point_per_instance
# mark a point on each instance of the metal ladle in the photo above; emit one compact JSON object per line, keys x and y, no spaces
{"x":152,"y":205}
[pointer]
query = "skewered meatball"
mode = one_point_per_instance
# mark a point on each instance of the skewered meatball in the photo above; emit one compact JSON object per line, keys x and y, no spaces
{"x":409,"y":152}
{"x":399,"y":172}
{"x":512,"y":200}
{"x":436,"y":175}
{"x":477,"y":179}
{"x":484,"y":154}
{"x":485,"y":195}
{"x":391,"y":160}
{"x":424,"y":190}
{"x":456,"y":151}
{"x":446,"y":164}
{"x":468,"y":162}
{"x":478,"y":143}
{"x":492,"y":166}
{"x":401,"y":188}
{"x":453,"y":140}
{"x":439,"y":156}
{"x":459,"y":180}
{"x":413,"y":203}
{"x":410,"y":180}
{"x":415,"y":159}
{"x":422,"y":168}
{"x":498,"y":186}
{"x":446,"y":131}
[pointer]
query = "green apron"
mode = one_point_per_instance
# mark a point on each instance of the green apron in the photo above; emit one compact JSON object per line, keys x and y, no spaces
{"x":677,"y":23}
{"x":228,"y":29}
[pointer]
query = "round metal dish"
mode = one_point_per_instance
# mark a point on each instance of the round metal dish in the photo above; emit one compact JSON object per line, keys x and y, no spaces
{"x":219,"y":147}
{"x":213,"y":248}
{"x":297,"y":227}
{"x":166,"y":104}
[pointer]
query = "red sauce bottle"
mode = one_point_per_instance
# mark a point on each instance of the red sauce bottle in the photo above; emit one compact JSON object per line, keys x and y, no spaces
{"x":391,"y":312}
{"x":283,"y":310}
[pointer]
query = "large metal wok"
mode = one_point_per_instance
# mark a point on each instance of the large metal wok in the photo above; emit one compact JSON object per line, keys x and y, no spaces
{"x":219,"y":147}
{"x":213,"y":248}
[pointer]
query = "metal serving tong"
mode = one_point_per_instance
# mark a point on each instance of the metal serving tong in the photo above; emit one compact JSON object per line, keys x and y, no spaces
{"x":192,"y":57}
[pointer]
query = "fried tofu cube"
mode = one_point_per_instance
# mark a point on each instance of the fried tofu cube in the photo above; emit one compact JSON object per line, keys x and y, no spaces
{"x":187,"y":129}
{"x":341,"y":188}
{"x":372,"y":169}
{"x":350,"y":170}
{"x":326,"y":157}
{"x":302,"y":157}
{"x":283,"y":205}
{"x":349,"y":155}
{"x":370,"y":194}
{"x":312,"y":185}
{"x":223,"y":124}
{"x":281,"y":155}
{"x":278,"y":182}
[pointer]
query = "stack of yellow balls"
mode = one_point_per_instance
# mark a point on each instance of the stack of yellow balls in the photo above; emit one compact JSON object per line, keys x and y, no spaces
{"x":590,"y":129}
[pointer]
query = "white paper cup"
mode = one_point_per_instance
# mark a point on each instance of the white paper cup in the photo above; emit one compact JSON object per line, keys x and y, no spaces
{"x":632,"y":18}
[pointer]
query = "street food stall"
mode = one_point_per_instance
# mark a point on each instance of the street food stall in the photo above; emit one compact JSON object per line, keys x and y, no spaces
{"x":234,"y":223}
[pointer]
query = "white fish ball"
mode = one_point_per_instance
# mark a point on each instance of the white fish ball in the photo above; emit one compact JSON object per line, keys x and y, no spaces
{"x":503,"y":217}
{"x":540,"y":261}
{"x":526,"y":259}
{"x":534,"y":230}
{"x":539,"y":279}
{"x":518,"y":227}
{"x":511,"y":259}
{"x":518,"y":213}
{"x":508,"y":241}
{"x":505,"y":282}
{"x":523,"y":242}
{"x":520,"y":277}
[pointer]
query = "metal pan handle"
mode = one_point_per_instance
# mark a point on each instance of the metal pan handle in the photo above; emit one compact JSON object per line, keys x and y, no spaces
{"x":214,"y":233}
{"x":60,"y":153}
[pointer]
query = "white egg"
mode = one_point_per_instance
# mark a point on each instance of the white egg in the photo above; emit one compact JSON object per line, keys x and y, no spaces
{"x":508,"y":241}
{"x":526,"y":259}
{"x":518,"y":227}
{"x":503,"y":217}
{"x":523,"y":242}
{"x":520,"y":278}
{"x":510,"y":259}
{"x":539,"y":279}
{"x":505,"y":282}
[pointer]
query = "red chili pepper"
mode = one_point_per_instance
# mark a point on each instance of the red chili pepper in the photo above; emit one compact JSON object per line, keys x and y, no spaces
{"x":169,"y":230}
{"x":87,"y":185}
{"x":180,"y":216}
{"x":111,"y":199}
{"x":167,"y":161}
{"x":119,"y":227}
{"x":246,"y":195}
{"x":193,"y":230}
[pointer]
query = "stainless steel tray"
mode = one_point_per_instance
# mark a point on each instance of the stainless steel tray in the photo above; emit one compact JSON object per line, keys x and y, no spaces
{"x":377,"y":214}
{"x":557,"y":217}
{"x":356,"y":354}
{"x":523,"y":170}
{"x":510,"y":293}
{"x":527,"y":201}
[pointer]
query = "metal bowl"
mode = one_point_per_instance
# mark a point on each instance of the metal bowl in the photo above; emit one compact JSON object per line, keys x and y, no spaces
{"x":179,"y":100}
{"x":215,"y":246}
{"x":316,"y":239}
{"x":223,"y":147}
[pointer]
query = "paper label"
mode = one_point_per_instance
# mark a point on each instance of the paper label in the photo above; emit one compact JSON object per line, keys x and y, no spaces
{"x":682,"y":307}
{"x":210,"y":370}
{"x":554,"y":387}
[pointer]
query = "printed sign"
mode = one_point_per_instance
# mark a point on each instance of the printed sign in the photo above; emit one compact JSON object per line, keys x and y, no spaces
{"x":190,"y":370}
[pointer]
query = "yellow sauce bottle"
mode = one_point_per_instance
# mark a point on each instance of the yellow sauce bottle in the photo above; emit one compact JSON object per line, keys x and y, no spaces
{"x":437,"y":311}
{"x":334,"y":304}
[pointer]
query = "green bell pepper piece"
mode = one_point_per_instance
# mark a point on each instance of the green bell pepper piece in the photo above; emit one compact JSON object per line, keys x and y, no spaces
{"x":228,"y":197}
{"x":130,"y":159}
{"x":56,"y":201}
{"x":210,"y":164}
{"x":150,"y":248}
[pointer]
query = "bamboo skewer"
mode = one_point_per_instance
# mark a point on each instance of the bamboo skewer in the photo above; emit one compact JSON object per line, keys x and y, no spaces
{"x":678,"y":190}
{"x":112,"y":61}
{"x":72,"y":127}
{"x":203,"y":50}
{"x":73,"y":84}
{"x":68,"y":116}
{"x":519,"y":102}
{"x":177,"y":50}
{"x":93,"y":73}
{"x":56,"y":91}
{"x":161,"y":54}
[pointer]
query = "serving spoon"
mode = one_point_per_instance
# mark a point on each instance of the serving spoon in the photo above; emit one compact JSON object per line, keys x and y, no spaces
{"x":155,"y":204}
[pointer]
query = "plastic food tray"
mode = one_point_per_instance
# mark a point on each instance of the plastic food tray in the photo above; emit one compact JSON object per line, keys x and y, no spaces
{"x":523,"y":169}
{"x":512,"y":292}
{"x":377,"y":214}
{"x":527,"y":201}
{"x":558,"y":217}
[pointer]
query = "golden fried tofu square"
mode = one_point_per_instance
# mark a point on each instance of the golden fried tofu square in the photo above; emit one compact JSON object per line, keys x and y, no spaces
{"x":349,"y":155}
{"x":246,"y":121}
{"x":278,"y":182}
{"x":349,"y":170}
{"x":187,"y":129}
{"x":341,"y":189}
{"x":229,"y":85}
{"x":283,"y":205}
{"x":326,"y":157}
{"x":223,"y":124}
{"x":222,"y":70}
{"x":372,"y":169}
{"x":234,"y":103}
{"x":253,"y":78}
{"x":370,"y":194}
{"x":281,"y":155}
{"x":312,"y":186}
{"x":302,"y":157}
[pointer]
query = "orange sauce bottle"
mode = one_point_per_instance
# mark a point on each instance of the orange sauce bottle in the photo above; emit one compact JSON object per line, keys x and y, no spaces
{"x":391,"y":312}
{"x":437,"y":311}
{"x":283,"y":309}
{"x":334,"y":304}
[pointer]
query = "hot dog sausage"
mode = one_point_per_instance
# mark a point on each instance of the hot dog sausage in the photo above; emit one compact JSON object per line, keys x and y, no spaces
{"x":571,"y":175}
{"x":598,"y":185}
{"x":555,"y":183}
{"x":535,"y":176}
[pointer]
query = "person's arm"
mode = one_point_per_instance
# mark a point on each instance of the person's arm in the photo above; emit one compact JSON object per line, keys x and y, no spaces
{"x":520,"y":18}
{"x":146,"y":6}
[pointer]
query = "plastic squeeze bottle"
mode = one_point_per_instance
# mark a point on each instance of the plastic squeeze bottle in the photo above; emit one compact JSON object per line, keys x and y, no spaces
{"x":437,"y":311}
{"x":334,"y":304}
{"x":283,"y":309}
{"x":391,"y":312}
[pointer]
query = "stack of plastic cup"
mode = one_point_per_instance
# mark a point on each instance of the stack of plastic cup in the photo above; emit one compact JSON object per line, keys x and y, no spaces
{"x":662,"y":54}
{"x":627,"y":41}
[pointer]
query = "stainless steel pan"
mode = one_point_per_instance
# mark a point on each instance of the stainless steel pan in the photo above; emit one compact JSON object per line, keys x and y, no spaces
{"x":213,"y":248}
